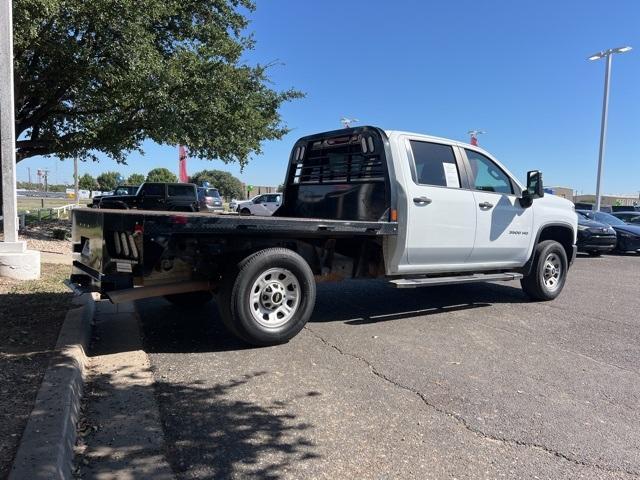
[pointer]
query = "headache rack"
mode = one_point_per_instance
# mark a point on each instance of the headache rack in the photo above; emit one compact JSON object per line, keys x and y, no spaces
{"x":342,"y":175}
{"x":345,"y":159}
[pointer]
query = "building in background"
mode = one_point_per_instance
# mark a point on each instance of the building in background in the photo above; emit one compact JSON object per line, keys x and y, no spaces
{"x":564,"y":192}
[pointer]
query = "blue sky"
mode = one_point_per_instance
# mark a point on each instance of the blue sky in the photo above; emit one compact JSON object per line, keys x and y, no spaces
{"x":515,"y":69}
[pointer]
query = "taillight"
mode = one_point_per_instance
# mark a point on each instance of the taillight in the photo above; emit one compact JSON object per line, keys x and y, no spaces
{"x":179,"y":219}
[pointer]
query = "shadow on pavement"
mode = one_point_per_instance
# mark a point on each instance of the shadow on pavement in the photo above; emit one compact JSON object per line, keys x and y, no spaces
{"x":208,"y":433}
{"x":170,"y":329}
{"x":365,"y":302}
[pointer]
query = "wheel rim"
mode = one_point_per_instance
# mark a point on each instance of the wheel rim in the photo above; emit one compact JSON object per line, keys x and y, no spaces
{"x":552,"y":272}
{"x":275,"y":297}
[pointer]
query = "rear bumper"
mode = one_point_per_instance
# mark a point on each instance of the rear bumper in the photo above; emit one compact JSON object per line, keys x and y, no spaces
{"x":215,"y":208}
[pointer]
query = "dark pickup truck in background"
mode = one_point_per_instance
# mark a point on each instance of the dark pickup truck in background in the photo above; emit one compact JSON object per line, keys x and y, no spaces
{"x":119,"y":191}
{"x":173,"y":197}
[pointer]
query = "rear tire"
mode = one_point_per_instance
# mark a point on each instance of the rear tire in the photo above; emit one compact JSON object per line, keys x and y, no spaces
{"x":268,"y":297}
{"x":548,"y":272}
{"x":190,"y":299}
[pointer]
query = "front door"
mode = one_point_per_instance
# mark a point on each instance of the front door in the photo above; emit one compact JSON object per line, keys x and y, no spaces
{"x":442,"y":214}
{"x":504,"y":227}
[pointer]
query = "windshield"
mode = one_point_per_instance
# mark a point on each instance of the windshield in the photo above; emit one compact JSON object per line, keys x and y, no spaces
{"x":607,"y":218}
{"x":212,"y":192}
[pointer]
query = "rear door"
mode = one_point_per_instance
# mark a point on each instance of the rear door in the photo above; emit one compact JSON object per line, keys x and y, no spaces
{"x":152,"y":196}
{"x":441,"y":211}
{"x":504,"y":227}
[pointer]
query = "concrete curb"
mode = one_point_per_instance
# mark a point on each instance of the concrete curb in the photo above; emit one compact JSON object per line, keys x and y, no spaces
{"x":46,"y":447}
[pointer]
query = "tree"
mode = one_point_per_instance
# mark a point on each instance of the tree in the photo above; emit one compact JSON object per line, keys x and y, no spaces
{"x":87,"y":182}
{"x":135,"y":179}
{"x":102,"y":77}
{"x":108,"y":181}
{"x":228,"y":185}
{"x":161,"y":175}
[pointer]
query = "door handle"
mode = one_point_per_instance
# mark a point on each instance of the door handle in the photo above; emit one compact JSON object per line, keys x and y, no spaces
{"x":485,"y":205}
{"x":422,"y":200}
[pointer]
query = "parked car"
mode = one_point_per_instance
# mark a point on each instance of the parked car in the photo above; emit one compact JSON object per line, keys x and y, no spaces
{"x":119,"y":191}
{"x":631,"y":217}
{"x":176,"y":197}
{"x":595,"y":238}
{"x":262,"y":205}
{"x":359,"y":203}
{"x":209,"y":199}
{"x":236,"y":205}
{"x":628,"y":235}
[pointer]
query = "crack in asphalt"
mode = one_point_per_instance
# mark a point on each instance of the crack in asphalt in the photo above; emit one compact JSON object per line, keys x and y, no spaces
{"x":462,"y":421}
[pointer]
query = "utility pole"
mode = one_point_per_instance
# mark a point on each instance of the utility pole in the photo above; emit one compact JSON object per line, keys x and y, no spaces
{"x":75,"y":180}
{"x":29,"y":170}
{"x":45,"y":176}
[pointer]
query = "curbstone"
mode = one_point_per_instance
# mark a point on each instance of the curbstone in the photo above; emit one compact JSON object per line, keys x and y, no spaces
{"x":46,"y":449}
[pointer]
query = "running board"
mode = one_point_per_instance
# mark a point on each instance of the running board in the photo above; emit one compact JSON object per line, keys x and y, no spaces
{"x":473,"y":278}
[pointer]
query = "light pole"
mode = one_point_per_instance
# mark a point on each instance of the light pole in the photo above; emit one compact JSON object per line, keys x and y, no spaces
{"x":608,"y":54}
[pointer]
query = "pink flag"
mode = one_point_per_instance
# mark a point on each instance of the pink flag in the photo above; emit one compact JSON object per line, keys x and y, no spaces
{"x":182,"y":164}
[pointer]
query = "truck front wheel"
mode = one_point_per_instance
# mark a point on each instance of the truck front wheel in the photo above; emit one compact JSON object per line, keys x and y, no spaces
{"x":268,"y":297}
{"x":548,"y":272}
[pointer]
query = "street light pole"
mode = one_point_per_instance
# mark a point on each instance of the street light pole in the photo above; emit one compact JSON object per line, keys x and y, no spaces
{"x":608,"y":54}
{"x":603,"y":129}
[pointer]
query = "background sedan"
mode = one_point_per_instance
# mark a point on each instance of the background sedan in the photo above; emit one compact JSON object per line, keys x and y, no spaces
{"x":628,"y":234}
{"x":595,"y":238}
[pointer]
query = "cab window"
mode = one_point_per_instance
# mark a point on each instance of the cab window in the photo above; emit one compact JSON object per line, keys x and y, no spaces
{"x":435,"y":164}
{"x":486,"y":175}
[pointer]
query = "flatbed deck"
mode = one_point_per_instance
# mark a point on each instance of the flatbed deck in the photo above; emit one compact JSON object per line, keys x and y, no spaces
{"x":197,"y":222}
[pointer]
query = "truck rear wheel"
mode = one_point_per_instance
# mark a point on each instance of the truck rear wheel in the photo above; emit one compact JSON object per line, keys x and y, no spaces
{"x":548,"y":272}
{"x":268,"y":297}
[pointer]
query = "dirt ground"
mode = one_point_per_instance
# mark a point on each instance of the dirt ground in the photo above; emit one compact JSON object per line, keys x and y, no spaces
{"x":39,"y":236}
{"x":31,"y":314}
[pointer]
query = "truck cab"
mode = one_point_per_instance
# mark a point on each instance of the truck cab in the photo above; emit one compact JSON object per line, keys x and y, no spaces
{"x":460,"y":209}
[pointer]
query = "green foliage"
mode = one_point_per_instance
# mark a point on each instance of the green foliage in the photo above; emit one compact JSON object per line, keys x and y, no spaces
{"x":228,"y":185}
{"x":108,"y":181}
{"x":135,"y":179}
{"x":87,"y":182}
{"x":103,"y":76}
{"x":161,"y":175}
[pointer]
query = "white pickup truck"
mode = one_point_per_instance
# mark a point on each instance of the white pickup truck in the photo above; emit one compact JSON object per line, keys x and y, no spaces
{"x":357,"y":203}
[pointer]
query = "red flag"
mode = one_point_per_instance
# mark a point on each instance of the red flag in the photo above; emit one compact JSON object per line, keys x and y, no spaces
{"x":474,"y":140}
{"x":182,"y":164}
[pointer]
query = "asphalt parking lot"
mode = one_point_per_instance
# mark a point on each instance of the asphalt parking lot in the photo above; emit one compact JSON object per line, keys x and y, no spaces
{"x":445,"y":382}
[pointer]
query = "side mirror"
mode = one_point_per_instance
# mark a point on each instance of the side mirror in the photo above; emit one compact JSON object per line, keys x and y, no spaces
{"x":535,"y":188}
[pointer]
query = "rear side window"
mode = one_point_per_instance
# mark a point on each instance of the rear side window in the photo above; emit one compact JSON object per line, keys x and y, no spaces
{"x":435,"y":164}
{"x":153,"y":189}
{"x":180,"y":191}
{"x":486,"y":175}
